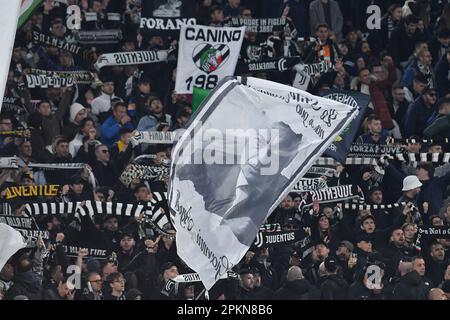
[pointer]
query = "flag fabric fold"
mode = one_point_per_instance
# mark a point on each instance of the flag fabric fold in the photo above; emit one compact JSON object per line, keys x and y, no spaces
{"x":11,"y":241}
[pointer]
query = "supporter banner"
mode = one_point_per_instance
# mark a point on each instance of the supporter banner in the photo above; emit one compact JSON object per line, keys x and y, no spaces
{"x":44,"y":81}
{"x":51,"y":190}
{"x":72,"y":251}
{"x":321,"y":171}
{"x":130,"y":58}
{"x":340,"y":147}
{"x":188,"y":277}
{"x":80,"y":77}
{"x":306,"y":184}
{"x":206,"y":55}
{"x":330,"y":194}
{"x":218,"y":207}
{"x":306,"y":71}
{"x":153,"y":137}
{"x":161,"y":16}
{"x":55,"y":42}
{"x":280,"y":64}
{"x":434,"y":232}
{"x":98,"y":37}
{"x":261,"y":25}
{"x":369,"y":150}
{"x":26,"y":226}
{"x":273,"y":239}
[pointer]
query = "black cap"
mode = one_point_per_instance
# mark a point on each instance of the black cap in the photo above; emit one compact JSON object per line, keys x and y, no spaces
{"x":330,"y":264}
{"x":245,"y":271}
{"x":429,"y":90}
{"x":76,"y":179}
{"x":127,"y":234}
{"x":368,"y":216}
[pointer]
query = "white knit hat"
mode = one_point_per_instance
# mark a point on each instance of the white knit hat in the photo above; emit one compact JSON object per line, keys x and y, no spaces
{"x":410,"y":183}
{"x":74,"y":109}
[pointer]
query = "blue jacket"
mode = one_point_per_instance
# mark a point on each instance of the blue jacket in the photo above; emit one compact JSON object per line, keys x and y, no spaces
{"x":416,"y":118}
{"x":110,"y":130}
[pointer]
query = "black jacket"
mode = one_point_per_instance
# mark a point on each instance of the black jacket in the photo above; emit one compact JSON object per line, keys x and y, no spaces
{"x":333,"y":287}
{"x":411,"y":287}
{"x":27,"y":284}
{"x":393,"y":255}
{"x":295,"y":290}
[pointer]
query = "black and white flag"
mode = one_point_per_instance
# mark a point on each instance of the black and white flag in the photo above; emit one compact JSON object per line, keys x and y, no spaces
{"x":55,"y":42}
{"x":130,"y":58}
{"x":228,"y":175}
{"x":206,"y":55}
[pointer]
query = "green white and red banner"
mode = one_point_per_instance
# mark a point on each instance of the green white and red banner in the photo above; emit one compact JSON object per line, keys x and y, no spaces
{"x":26,"y":9}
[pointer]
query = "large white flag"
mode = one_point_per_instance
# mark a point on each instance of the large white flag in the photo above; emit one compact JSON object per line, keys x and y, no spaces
{"x":249,"y":144}
{"x":9,"y":15}
{"x":10,"y":242}
{"x":206,"y":55}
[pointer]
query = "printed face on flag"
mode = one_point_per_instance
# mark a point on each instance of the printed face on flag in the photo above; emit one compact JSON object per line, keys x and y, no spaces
{"x":206,"y":55}
{"x":248,"y":146}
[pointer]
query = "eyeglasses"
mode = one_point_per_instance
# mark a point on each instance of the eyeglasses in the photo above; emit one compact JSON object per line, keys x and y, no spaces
{"x":104,"y":151}
{"x":97,"y":281}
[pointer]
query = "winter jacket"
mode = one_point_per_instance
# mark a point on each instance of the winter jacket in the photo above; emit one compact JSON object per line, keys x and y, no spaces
{"x":110,"y":130}
{"x":432,"y":191}
{"x":358,"y":291}
{"x":416,"y":118}
{"x":294,"y":290}
{"x":27,"y":284}
{"x":333,"y":287}
{"x":440,"y":128}
{"x":410,"y":287}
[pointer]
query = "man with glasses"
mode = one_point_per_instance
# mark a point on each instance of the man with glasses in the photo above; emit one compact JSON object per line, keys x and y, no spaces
{"x":419,"y":112}
{"x":93,"y":290}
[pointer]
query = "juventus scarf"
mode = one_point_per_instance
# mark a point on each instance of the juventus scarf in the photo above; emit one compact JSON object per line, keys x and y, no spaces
{"x":369,"y":150}
{"x":55,"y":42}
{"x":261,"y":25}
{"x":280,"y":64}
{"x":434,"y":232}
{"x":130,"y":58}
{"x":44,"y":81}
{"x":331,"y":194}
{"x":153,"y":211}
{"x":366,"y":206}
{"x":277,"y":238}
{"x":12,"y":104}
{"x":79,"y":77}
{"x":322,"y":171}
{"x":57,"y":166}
{"x":32,"y":191}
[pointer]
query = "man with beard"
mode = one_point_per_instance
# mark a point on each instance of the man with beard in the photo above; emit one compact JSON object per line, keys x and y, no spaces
{"x":284,"y":211}
{"x":436,"y":264}
{"x":396,"y":251}
{"x":260,"y":291}
{"x":345,"y":258}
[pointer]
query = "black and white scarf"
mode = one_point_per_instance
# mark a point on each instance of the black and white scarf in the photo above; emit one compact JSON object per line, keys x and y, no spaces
{"x":142,"y":172}
{"x":39,"y":37}
{"x":153,"y":137}
{"x":46,"y":81}
{"x":330,"y":195}
{"x":131,"y":58}
{"x":79,"y":77}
